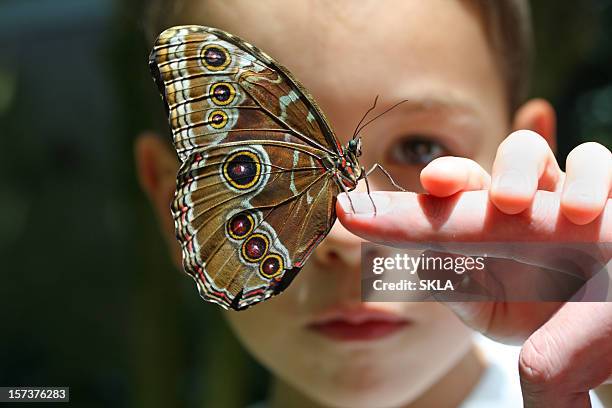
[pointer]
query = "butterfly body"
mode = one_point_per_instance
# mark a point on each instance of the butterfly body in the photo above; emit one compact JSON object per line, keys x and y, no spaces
{"x":260,"y":165}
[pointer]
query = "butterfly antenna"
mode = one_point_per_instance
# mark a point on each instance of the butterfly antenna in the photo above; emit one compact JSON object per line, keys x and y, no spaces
{"x":378,"y":116}
{"x":365,"y":116}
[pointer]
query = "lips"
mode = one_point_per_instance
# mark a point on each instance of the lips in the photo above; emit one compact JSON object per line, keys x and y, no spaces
{"x":358,"y":324}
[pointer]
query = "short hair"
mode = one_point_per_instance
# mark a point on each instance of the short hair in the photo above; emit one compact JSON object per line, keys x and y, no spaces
{"x":509,"y":30}
{"x":507,"y":25}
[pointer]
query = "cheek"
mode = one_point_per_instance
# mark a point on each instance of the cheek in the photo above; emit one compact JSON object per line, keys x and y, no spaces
{"x":273,"y":339}
{"x":268,"y":327}
{"x":257,"y":329}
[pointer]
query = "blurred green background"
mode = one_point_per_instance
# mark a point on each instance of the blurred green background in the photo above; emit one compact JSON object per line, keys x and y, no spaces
{"x":88,"y":294}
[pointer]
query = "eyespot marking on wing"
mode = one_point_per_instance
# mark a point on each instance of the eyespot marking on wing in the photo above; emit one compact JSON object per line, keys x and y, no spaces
{"x":271,"y":266}
{"x":255,"y":247}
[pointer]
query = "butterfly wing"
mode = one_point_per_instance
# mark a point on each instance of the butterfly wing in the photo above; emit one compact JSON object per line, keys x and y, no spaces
{"x":217,"y":87}
{"x":254,"y":193}
{"x":248,"y":214}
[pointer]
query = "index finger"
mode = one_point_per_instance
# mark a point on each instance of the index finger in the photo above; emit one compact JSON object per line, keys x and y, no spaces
{"x":464,"y":217}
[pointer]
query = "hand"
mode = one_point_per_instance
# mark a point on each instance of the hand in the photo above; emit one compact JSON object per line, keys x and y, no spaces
{"x":567,"y":348}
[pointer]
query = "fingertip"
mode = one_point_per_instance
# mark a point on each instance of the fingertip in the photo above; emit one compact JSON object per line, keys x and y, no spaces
{"x":512,"y":192}
{"x":357,"y":204}
{"x":581,"y":213}
{"x":343,"y":207}
{"x":354,"y":214}
{"x":441,"y":183}
{"x":440,"y":188}
{"x":511,"y":205}
{"x":444,"y":177}
{"x":392,"y":221}
{"x":580,"y":217}
{"x":583,"y":201}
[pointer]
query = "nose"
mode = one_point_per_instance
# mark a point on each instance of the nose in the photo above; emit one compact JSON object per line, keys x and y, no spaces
{"x":339,"y":249}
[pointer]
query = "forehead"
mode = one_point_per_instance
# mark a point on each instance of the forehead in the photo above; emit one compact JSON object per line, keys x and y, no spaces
{"x":347,"y":52}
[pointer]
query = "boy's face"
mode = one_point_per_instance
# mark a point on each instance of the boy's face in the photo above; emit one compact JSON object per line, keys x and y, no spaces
{"x":433,"y":53}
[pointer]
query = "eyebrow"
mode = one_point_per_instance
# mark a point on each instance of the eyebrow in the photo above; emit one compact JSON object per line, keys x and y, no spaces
{"x":421,"y":103}
{"x":430,"y":102}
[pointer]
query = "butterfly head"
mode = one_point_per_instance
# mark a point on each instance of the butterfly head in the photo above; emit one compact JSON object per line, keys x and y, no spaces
{"x":354,"y":147}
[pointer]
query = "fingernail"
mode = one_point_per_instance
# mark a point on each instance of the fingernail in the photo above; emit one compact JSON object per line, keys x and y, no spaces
{"x":579,"y":193}
{"x":362,"y":203}
{"x":512,"y":180}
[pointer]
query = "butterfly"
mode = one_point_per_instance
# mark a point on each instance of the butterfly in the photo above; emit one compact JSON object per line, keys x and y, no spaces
{"x":260,"y":165}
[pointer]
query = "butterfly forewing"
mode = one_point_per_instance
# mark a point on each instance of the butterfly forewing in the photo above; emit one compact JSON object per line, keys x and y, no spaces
{"x":207,"y":99}
{"x":254,"y":193}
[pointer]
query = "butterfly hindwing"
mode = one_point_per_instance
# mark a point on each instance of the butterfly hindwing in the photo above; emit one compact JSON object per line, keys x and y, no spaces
{"x":248,"y":215}
{"x":254,"y":194}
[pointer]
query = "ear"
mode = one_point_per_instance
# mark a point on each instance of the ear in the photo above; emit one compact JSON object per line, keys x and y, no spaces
{"x":538,"y":115}
{"x":157,"y":166}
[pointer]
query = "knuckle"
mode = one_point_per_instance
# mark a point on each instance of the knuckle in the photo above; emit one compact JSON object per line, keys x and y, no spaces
{"x":536,"y":362}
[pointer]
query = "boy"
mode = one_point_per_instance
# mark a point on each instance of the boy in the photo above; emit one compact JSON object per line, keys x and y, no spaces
{"x":462,"y":65}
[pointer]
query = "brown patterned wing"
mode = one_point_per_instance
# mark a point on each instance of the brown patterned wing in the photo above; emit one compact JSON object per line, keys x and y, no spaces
{"x":248,"y":214}
{"x":219,"y":88}
{"x":255,"y":193}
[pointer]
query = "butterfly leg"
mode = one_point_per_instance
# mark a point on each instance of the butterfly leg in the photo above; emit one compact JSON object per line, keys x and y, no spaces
{"x":341,"y":184}
{"x":365,"y":177}
{"x":374,"y":167}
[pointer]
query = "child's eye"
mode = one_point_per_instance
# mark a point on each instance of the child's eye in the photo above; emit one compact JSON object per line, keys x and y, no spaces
{"x":414,"y":150}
